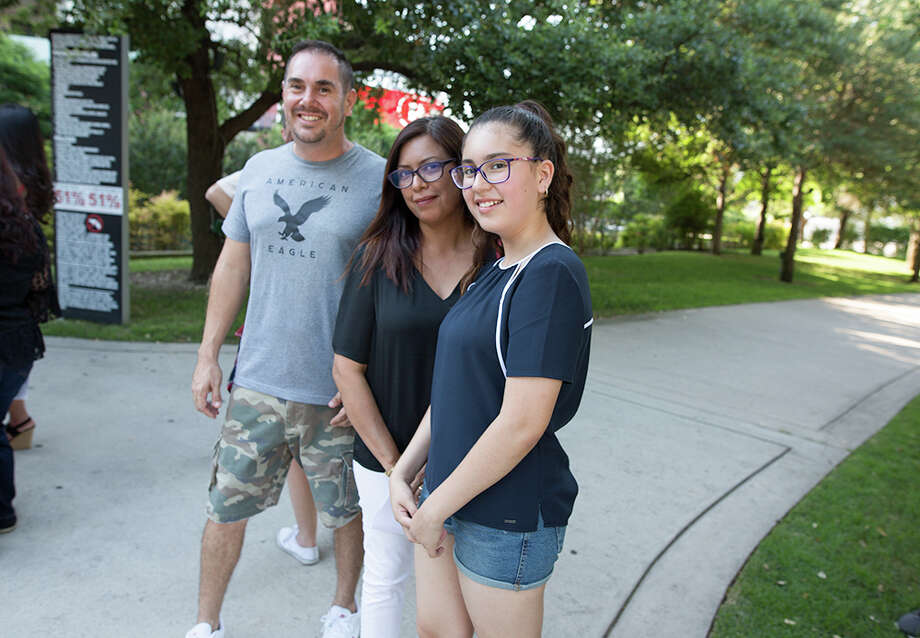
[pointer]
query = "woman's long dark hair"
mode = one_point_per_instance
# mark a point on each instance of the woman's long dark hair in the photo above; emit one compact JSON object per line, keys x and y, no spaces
{"x":393,"y":238}
{"x":535,"y":127}
{"x":21,"y":138}
{"x":17,"y":230}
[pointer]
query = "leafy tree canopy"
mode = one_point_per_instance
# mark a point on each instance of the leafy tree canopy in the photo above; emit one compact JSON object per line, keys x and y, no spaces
{"x":25,"y":81}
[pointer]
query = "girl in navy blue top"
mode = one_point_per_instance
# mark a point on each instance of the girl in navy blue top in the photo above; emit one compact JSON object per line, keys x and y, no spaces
{"x":510,"y":367}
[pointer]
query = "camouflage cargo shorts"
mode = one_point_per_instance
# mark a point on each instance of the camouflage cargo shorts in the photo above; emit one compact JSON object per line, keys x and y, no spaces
{"x":260,"y":437}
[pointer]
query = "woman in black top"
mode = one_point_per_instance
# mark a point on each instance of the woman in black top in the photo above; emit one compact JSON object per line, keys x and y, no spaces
{"x":412,"y":264}
{"x":22,"y":141}
{"x":26,"y":299}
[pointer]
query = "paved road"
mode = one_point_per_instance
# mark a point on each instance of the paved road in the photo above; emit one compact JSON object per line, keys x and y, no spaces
{"x":699,"y":429}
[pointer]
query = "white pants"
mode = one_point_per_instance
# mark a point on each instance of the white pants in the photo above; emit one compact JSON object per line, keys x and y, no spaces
{"x":387,"y":557}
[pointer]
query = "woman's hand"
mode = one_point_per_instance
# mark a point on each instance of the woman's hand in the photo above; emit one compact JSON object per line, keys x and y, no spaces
{"x":428,"y":532}
{"x":403,"y":502}
{"x":340,"y":420}
{"x":417,"y":482}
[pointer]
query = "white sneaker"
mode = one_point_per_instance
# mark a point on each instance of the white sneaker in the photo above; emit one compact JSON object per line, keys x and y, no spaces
{"x":203,"y":630}
{"x":287,"y":541}
{"x":341,"y":623}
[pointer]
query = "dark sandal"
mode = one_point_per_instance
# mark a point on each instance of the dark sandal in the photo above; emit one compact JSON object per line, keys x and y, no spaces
{"x":20,"y":435}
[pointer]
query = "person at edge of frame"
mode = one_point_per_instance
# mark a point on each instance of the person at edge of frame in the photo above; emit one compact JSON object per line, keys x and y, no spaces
{"x":21,"y":139}
{"x":27,"y":299}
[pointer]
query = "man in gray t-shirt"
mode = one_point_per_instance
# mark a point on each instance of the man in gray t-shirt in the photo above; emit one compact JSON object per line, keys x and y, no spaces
{"x":302,"y":220}
{"x":296,"y":218}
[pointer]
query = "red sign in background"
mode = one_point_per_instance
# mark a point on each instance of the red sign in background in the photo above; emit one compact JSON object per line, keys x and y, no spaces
{"x":398,"y":108}
{"x":94,"y":223}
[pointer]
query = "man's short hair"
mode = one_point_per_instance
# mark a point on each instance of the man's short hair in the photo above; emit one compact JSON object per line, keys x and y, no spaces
{"x":346,"y":73}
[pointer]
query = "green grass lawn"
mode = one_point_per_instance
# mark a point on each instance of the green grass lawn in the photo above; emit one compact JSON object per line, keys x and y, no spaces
{"x":149,"y":264}
{"x":673,"y":280}
{"x":620,"y":285}
{"x":156,"y":315}
{"x":846,"y":560}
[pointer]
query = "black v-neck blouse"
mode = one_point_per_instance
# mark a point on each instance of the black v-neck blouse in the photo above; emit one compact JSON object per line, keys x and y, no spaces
{"x":395,"y":335}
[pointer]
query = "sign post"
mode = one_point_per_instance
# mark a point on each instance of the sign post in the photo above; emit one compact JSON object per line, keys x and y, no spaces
{"x":89,"y":88}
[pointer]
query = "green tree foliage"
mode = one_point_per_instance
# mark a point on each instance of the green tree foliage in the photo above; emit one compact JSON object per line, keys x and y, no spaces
{"x":25,"y":81}
{"x":28,"y":17}
{"x":659,"y":102}
{"x":366,"y":128}
{"x":157,"y":151}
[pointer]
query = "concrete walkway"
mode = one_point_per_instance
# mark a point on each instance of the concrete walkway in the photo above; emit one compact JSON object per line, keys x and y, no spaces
{"x":698,"y":431}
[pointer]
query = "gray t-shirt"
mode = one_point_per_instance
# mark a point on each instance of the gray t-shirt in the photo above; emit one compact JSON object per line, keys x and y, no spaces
{"x":302,"y":220}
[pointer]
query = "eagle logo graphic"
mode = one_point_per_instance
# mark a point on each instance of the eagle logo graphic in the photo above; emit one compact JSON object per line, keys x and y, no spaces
{"x":292,"y":223}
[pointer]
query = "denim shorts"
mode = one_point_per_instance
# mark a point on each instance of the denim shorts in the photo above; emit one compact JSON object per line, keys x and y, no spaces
{"x":503,"y":559}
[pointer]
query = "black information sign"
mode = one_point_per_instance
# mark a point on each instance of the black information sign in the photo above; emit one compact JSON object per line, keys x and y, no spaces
{"x":89,"y":88}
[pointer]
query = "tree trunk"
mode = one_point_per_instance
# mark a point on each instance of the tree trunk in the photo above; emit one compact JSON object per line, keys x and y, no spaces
{"x":757,"y":247}
{"x":205,"y":153}
{"x":720,"y":211}
{"x":913,"y":251}
{"x":866,"y":237}
{"x":841,"y":234}
{"x":205,"y":147}
{"x":789,"y":254}
{"x":207,"y":141}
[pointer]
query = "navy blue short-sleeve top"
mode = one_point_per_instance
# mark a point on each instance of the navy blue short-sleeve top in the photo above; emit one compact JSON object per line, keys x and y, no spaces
{"x":529,"y":319}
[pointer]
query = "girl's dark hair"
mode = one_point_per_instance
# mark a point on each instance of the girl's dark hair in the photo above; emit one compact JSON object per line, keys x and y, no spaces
{"x":21,"y":138}
{"x":535,"y":127}
{"x":17,"y":230}
{"x":393,"y":238}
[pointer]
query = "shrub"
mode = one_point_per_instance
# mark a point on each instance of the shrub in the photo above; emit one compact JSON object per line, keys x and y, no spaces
{"x":590,"y":242}
{"x":820,"y":236}
{"x":774,"y":236}
{"x":881,"y":235}
{"x":646,"y":231}
{"x":159,"y":223}
{"x":739,"y":233}
{"x":689,"y":216}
